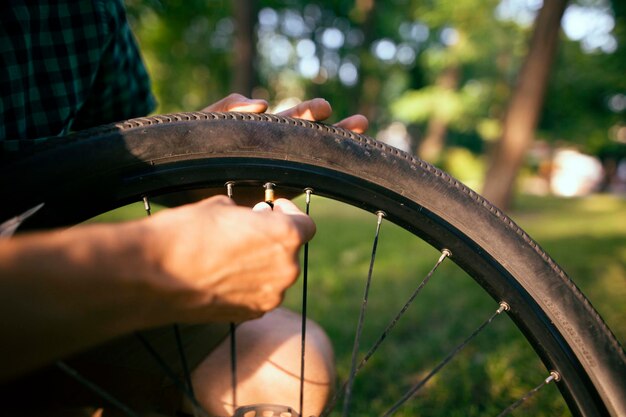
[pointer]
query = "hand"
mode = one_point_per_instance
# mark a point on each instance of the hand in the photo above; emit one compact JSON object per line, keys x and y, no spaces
{"x":209,"y":261}
{"x":314,"y":110}
{"x":221,"y":262}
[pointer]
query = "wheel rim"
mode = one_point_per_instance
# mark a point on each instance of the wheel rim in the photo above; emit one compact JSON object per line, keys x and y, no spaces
{"x":576,"y":388}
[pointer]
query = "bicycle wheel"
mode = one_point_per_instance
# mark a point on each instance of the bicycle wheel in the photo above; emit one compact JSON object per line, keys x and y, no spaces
{"x":120,"y":163}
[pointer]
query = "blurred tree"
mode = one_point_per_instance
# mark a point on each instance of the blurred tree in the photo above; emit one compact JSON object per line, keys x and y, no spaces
{"x":187,"y":47}
{"x":525,"y":106}
{"x":468,"y":62}
{"x":244,"y":62}
{"x":349,"y":52}
{"x":589,"y":77}
{"x":586,"y":99}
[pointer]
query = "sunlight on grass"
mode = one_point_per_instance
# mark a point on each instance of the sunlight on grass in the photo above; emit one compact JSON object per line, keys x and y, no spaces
{"x":587,"y":237}
{"x":496,"y":369}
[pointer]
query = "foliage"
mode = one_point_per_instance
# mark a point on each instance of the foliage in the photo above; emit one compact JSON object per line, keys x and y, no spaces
{"x":579,"y":105}
{"x":486,"y":52}
{"x":187,"y":49}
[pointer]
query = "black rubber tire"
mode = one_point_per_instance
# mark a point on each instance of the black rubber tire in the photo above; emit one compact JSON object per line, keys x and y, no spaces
{"x":104,"y":168}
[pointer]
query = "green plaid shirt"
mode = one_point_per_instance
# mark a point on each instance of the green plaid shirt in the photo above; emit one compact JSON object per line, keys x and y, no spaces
{"x":67,"y":65}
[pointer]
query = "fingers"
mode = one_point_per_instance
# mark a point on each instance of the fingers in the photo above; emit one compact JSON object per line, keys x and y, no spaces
{"x":314,"y":110}
{"x":302,"y":222}
{"x":237,"y":102}
{"x":357,"y":123}
{"x":319,"y":109}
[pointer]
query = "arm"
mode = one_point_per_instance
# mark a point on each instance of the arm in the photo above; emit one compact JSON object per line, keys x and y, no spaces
{"x":64,"y":291}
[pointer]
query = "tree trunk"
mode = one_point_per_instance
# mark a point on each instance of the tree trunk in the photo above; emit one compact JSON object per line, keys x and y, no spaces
{"x":244,"y":53}
{"x":367,"y":91}
{"x":435,"y":139}
{"x":524,"y":108}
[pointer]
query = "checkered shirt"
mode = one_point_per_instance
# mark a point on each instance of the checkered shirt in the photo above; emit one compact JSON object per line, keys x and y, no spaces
{"x":66,"y":65}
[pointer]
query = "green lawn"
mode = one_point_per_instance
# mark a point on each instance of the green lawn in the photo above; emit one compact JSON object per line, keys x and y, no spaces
{"x":587,"y":237}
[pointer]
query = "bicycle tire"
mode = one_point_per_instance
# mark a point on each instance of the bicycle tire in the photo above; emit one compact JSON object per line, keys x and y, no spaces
{"x":119,"y":163}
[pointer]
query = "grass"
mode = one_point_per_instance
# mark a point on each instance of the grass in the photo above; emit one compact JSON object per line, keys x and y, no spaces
{"x":587,"y":237}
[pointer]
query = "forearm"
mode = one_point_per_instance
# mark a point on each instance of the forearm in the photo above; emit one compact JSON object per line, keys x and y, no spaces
{"x":61,"y":292}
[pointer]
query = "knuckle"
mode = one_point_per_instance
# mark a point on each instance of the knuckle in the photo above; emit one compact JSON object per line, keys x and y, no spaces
{"x":290,"y":235}
{"x":234,"y":97}
{"x":216,"y":201}
{"x":286,"y":274}
{"x":270,"y":303}
{"x":222,"y":199}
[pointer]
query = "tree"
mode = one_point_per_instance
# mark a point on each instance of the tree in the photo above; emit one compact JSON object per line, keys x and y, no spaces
{"x":525,"y":106}
{"x":432,"y":145}
{"x":466,"y":61}
{"x":245,"y":59}
{"x":187,"y":47}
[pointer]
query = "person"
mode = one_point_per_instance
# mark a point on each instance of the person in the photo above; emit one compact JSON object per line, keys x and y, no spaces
{"x":69,"y":65}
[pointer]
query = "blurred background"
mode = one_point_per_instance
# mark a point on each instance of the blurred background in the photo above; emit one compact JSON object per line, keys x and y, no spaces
{"x":523,"y":100}
{"x":504,"y":94}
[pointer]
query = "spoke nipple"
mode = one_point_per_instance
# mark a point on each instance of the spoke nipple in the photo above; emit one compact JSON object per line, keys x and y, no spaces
{"x":445,"y":253}
{"x":380,"y":215}
{"x":504,"y":306}
{"x":229,"y":188}
{"x":146,"y":203}
{"x":308,"y":192}
{"x":554,"y":376}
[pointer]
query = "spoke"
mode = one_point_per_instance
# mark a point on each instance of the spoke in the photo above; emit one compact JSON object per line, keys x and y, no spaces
{"x":171,"y":374}
{"x":95,"y":388}
{"x":445,"y":253}
{"x":554,"y":376}
{"x":233,"y":364}
{"x":187,"y":390}
{"x":233,"y":329}
{"x":179,"y":345}
{"x":183,"y":362}
{"x":305,"y":278}
{"x":357,"y":337}
{"x":503,"y":307}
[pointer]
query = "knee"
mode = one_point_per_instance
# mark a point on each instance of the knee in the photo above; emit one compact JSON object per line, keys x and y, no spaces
{"x":268,"y":366}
